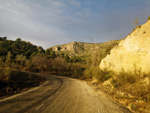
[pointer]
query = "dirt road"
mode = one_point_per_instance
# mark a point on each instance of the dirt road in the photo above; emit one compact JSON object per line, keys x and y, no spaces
{"x":60,"y":95}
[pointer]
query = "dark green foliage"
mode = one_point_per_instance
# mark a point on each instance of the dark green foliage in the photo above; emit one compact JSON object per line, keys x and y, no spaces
{"x":18,"y":39}
{"x":17,"y":47}
{"x":76,"y":59}
{"x":50,"y":53}
{"x":67,"y":58}
{"x":3,"y":51}
{"x":3,"y":38}
{"x":40,"y":50}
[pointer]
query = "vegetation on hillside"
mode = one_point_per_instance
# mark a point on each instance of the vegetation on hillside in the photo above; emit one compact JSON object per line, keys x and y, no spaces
{"x":81,"y":49}
{"x":22,"y":55}
{"x":83,"y":62}
{"x":14,"y":57}
{"x":18,"y":56}
{"x":131,"y":89}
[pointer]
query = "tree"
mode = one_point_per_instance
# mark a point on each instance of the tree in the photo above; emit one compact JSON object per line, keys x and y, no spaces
{"x":39,"y":62}
{"x":28,"y":65}
{"x":21,"y":60}
{"x":8,"y":59}
{"x":5,"y":38}
{"x":136,"y":21}
{"x":40,"y":50}
{"x":52,"y":54}
{"x":47,"y":65}
{"x":1,"y":61}
{"x":47,"y":52}
{"x":66,"y":58}
{"x":18,"y":39}
{"x":59,"y":64}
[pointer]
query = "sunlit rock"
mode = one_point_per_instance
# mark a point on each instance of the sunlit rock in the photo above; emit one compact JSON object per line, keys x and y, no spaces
{"x":132,"y":54}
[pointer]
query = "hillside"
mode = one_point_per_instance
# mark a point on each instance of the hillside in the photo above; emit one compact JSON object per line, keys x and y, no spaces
{"x":84,"y":49}
{"x":17,"y":47}
{"x":132,"y":54}
{"x":127,"y":68}
{"x":15,"y":58}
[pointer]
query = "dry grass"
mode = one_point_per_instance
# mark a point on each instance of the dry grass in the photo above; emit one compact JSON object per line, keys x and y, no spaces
{"x":129,"y":89}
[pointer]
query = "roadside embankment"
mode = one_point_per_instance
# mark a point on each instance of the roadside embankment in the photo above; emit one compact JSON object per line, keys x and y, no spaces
{"x":13,"y":82}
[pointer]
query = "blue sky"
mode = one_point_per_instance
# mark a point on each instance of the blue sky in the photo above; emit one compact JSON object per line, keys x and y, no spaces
{"x":52,"y":22}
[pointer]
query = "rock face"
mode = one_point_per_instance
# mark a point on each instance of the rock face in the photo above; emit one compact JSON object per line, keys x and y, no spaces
{"x":132,"y":54}
{"x":84,"y":49}
{"x":69,"y":47}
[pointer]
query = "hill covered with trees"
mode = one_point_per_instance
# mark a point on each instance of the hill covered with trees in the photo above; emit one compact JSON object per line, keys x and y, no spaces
{"x":24,"y":56}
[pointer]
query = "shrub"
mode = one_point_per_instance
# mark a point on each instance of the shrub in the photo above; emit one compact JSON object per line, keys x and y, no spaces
{"x":77,"y":70}
{"x":139,"y":90}
{"x":139,"y":26}
{"x":125,"y":77}
{"x":144,"y":32}
{"x":133,"y":106}
{"x":148,"y":18}
{"x":103,"y":75}
{"x":5,"y":75}
{"x":88,"y":73}
{"x":116,"y":83}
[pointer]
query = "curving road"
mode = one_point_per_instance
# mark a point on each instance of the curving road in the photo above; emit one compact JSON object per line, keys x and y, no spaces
{"x":60,"y":95}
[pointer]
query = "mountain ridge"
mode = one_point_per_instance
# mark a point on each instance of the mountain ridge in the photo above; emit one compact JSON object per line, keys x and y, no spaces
{"x":82,"y":48}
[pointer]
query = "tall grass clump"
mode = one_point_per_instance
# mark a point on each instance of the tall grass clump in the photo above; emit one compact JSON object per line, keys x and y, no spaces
{"x":104,"y":75}
{"x":127,"y":78}
{"x":96,"y":73}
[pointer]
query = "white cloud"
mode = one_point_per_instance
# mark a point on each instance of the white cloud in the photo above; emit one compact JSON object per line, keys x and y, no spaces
{"x":16,"y":22}
{"x":50,"y":22}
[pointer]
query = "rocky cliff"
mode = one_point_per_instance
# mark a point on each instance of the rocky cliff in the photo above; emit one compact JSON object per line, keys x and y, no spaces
{"x":132,"y":54}
{"x":84,"y":49}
